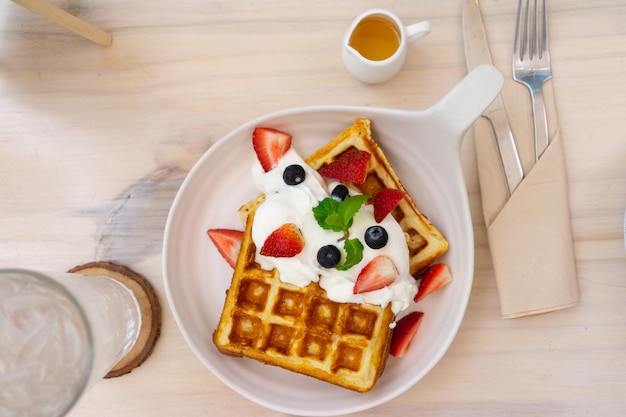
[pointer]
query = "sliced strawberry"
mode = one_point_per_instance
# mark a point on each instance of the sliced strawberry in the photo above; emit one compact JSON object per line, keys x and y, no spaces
{"x":269,"y":145}
{"x":227,"y":242}
{"x":435,"y":277}
{"x":404,"y":332}
{"x":377,"y":274}
{"x":385,"y":201}
{"x":350,"y":166}
{"x":284,"y":242}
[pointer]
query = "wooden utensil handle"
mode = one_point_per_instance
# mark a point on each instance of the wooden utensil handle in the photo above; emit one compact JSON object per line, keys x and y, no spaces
{"x":67,"y":20}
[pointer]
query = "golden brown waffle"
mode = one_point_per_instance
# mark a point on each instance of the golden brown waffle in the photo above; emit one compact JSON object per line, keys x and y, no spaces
{"x":425,"y":241}
{"x":300,"y":329}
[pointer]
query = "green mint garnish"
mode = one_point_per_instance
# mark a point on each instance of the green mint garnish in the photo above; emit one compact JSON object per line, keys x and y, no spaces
{"x":338,"y":215}
{"x":354,"y":254}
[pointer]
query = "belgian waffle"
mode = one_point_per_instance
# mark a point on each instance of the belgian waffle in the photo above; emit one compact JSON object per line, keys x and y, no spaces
{"x":425,"y":241}
{"x":300,"y":329}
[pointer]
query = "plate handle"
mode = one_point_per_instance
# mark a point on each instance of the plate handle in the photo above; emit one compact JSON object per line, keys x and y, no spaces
{"x":468,"y":99}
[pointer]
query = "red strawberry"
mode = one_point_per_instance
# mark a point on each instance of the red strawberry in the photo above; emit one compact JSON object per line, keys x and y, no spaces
{"x":350,"y":166}
{"x":385,"y":201}
{"x":377,"y":274}
{"x":404,"y":333}
{"x":269,"y":145}
{"x":284,"y":242}
{"x":434,"y":278}
{"x":228,"y":243}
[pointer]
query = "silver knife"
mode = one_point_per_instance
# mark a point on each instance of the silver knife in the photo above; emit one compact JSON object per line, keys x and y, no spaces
{"x":477,"y":53}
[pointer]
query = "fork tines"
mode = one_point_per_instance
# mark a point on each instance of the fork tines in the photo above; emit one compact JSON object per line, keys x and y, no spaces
{"x":535,"y":43}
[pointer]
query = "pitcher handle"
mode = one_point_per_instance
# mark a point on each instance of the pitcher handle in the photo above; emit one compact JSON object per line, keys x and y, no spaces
{"x":417,"y":30}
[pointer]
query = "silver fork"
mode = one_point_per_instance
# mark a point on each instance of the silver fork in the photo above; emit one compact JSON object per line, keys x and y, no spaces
{"x":531,"y":62}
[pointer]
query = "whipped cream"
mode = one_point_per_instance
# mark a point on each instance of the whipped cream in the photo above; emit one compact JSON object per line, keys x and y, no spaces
{"x":294,"y":204}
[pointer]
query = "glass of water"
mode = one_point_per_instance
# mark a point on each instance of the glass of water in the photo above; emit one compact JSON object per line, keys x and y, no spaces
{"x":59,"y":333}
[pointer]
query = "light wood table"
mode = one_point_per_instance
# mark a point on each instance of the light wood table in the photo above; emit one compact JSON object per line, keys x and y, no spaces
{"x":94,"y":143}
{"x":67,"y":20}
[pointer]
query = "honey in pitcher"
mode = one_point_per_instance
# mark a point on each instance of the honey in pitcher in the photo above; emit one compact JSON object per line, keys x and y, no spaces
{"x":376,"y":38}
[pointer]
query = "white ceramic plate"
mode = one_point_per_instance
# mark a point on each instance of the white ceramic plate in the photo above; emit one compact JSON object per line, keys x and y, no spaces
{"x":423,"y":147}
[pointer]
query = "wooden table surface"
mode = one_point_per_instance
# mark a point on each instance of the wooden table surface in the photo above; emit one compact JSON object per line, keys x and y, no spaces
{"x":94,"y":143}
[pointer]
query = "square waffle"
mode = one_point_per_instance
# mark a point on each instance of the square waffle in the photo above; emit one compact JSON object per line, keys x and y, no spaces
{"x":300,"y":329}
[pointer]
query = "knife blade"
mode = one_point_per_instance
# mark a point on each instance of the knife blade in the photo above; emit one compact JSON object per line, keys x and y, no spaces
{"x":477,"y":53}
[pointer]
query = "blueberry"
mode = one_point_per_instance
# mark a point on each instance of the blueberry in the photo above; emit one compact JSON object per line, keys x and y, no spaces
{"x":376,"y":237}
{"x":294,"y":175}
{"x":340,"y":192}
{"x":328,"y":256}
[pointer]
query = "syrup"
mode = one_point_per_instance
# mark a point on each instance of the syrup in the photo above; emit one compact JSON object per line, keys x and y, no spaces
{"x":375,"y":38}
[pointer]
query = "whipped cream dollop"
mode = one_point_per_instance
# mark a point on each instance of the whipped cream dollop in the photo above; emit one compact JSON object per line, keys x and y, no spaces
{"x":294,"y":204}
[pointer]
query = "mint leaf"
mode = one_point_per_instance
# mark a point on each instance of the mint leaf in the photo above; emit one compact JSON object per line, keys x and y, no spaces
{"x":323,"y":211}
{"x":334,"y":222}
{"x":337,"y":216}
{"x":349,"y":207}
{"x":354,"y":254}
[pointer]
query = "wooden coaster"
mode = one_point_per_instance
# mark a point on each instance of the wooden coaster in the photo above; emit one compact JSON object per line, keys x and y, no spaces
{"x":148,"y":304}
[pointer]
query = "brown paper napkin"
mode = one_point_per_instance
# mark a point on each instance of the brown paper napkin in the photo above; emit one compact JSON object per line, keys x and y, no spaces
{"x":529,"y":232}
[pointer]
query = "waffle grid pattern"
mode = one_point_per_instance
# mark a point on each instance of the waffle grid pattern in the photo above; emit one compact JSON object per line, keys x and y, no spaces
{"x":300,"y":328}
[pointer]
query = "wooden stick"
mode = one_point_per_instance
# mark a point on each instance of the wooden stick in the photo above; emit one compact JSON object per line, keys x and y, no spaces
{"x":67,"y":20}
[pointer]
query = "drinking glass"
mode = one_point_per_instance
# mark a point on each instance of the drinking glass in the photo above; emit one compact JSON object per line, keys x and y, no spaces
{"x":59,"y":334}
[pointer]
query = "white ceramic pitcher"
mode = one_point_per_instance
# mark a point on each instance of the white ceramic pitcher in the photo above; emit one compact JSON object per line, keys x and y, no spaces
{"x":374,"y":47}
